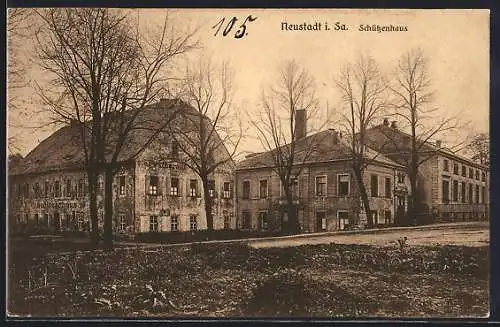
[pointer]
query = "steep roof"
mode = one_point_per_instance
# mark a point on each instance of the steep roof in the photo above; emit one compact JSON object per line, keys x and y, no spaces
{"x":387,"y":140}
{"x":63,"y":149}
{"x":324,"y":146}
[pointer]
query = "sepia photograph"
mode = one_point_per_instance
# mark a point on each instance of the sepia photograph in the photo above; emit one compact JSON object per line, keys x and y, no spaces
{"x":247,"y":163}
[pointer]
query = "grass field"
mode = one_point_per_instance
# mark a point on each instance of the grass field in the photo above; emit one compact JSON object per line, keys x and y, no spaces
{"x":236,"y":280}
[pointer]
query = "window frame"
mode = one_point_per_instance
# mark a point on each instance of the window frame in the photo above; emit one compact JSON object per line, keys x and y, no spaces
{"x":193,"y":221}
{"x":388,"y":190}
{"x":153,"y":222}
{"x":348,"y":184}
{"x":174,"y":190}
{"x":263,"y":214}
{"x":325,"y":185}
{"x":154,"y":190}
{"x":246,"y":195}
{"x":174,"y":223}
{"x":265,"y":194}
{"x":372,"y":176}
{"x":122,"y":189}
{"x":193,"y":192}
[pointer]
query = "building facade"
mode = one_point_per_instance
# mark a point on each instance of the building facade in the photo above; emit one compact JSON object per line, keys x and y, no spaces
{"x":325,"y":192}
{"x":450,"y":186}
{"x":154,"y":192}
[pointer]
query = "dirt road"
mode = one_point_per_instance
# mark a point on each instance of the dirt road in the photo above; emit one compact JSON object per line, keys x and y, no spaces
{"x":466,"y":234}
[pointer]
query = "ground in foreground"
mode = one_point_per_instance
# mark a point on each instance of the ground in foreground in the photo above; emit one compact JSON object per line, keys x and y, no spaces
{"x":234,"y":280}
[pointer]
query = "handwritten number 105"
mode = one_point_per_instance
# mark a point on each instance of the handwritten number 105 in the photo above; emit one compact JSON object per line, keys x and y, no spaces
{"x":239,"y":33}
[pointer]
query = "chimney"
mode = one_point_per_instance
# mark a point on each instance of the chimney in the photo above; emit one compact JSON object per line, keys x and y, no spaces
{"x":393,"y":124}
{"x":335,"y":136}
{"x":438,"y":143}
{"x":300,"y":124}
{"x":386,"y":122}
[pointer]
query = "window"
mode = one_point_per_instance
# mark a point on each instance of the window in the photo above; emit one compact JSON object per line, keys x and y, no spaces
{"x":68,"y":188}
{"x":174,"y":186}
{"x":343,"y":185}
{"x":471,"y":173}
{"x":153,"y":185}
{"x":175,"y":149}
{"x":471,"y":195}
{"x":446,"y":191}
{"x":263,"y":189}
{"x":483,"y":194}
{"x":246,"y":190}
{"x":227,"y":220}
{"x":374,"y":185}
{"x":100,"y":182}
{"x":343,"y":218}
{"x":388,"y":186}
{"x":245,"y":219}
{"x":401,"y":176}
{"x":57,"y":189}
{"x":123,"y":222}
{"x":483,"y":176}
{"x":80,"y":188}
{"x":455,"y":191}
{"x":46,"y":189}
{"x":445,"y":165}
{"x":263,"y":220}
{"x":37,"y":219}
{"x":211,"y":188}
{"x":294,"y":186}
{"x":193,"y":222}
{"x":153,"y":223}
{"x":174,"y":223}
{"x":320,"y":185}
{"x":226,"y":190}
{"x":321,"y":220}
{"x":36,"y":190}
{"x":477,"y":174}
{"x":122,"y":185}
{"x":464,"y":189}
{"x":193,"y":188}
{"x":455,"y":168}
{"x":477,"y":193}
{"x":464,"y":171}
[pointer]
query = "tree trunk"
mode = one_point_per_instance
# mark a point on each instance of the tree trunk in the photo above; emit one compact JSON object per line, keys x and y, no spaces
{"x":293,"y":219}
{"x":108,"y":208}
{"x":413,"y":203}
{"x":364,"y":195}
{"x":94,"y":222}
{"x":208,"y":204}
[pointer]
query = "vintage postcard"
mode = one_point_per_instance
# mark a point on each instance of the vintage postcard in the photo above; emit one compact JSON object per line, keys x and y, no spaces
{"x":280,"y":163}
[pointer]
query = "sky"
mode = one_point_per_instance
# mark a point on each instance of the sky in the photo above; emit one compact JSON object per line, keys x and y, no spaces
{"x":455,"y":42}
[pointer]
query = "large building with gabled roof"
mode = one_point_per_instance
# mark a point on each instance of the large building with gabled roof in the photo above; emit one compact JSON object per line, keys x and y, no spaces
{"x":152,"y":192}
{"x":325,"y":192}
{"x":450,"y":186}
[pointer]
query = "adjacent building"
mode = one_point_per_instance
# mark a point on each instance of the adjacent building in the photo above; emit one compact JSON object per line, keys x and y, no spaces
{"x":450,"y":186}
{"x":152,"y":192}
{"x":325,"y":192}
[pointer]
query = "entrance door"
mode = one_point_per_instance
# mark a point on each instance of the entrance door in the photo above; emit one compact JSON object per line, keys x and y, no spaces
{"x":400,"y":212}
{"x":321,"y":221}
{"x":57,"y":221}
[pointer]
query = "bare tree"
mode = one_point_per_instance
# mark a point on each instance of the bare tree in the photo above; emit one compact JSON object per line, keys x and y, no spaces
{"x":204,"y":133}
{"x":413,"y":98}
{"x":19,"y":29}
{"x":294,"y":92}
{"x":106,"y":73}
{"x":362,"y":88}
{"x":478,"y":146}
